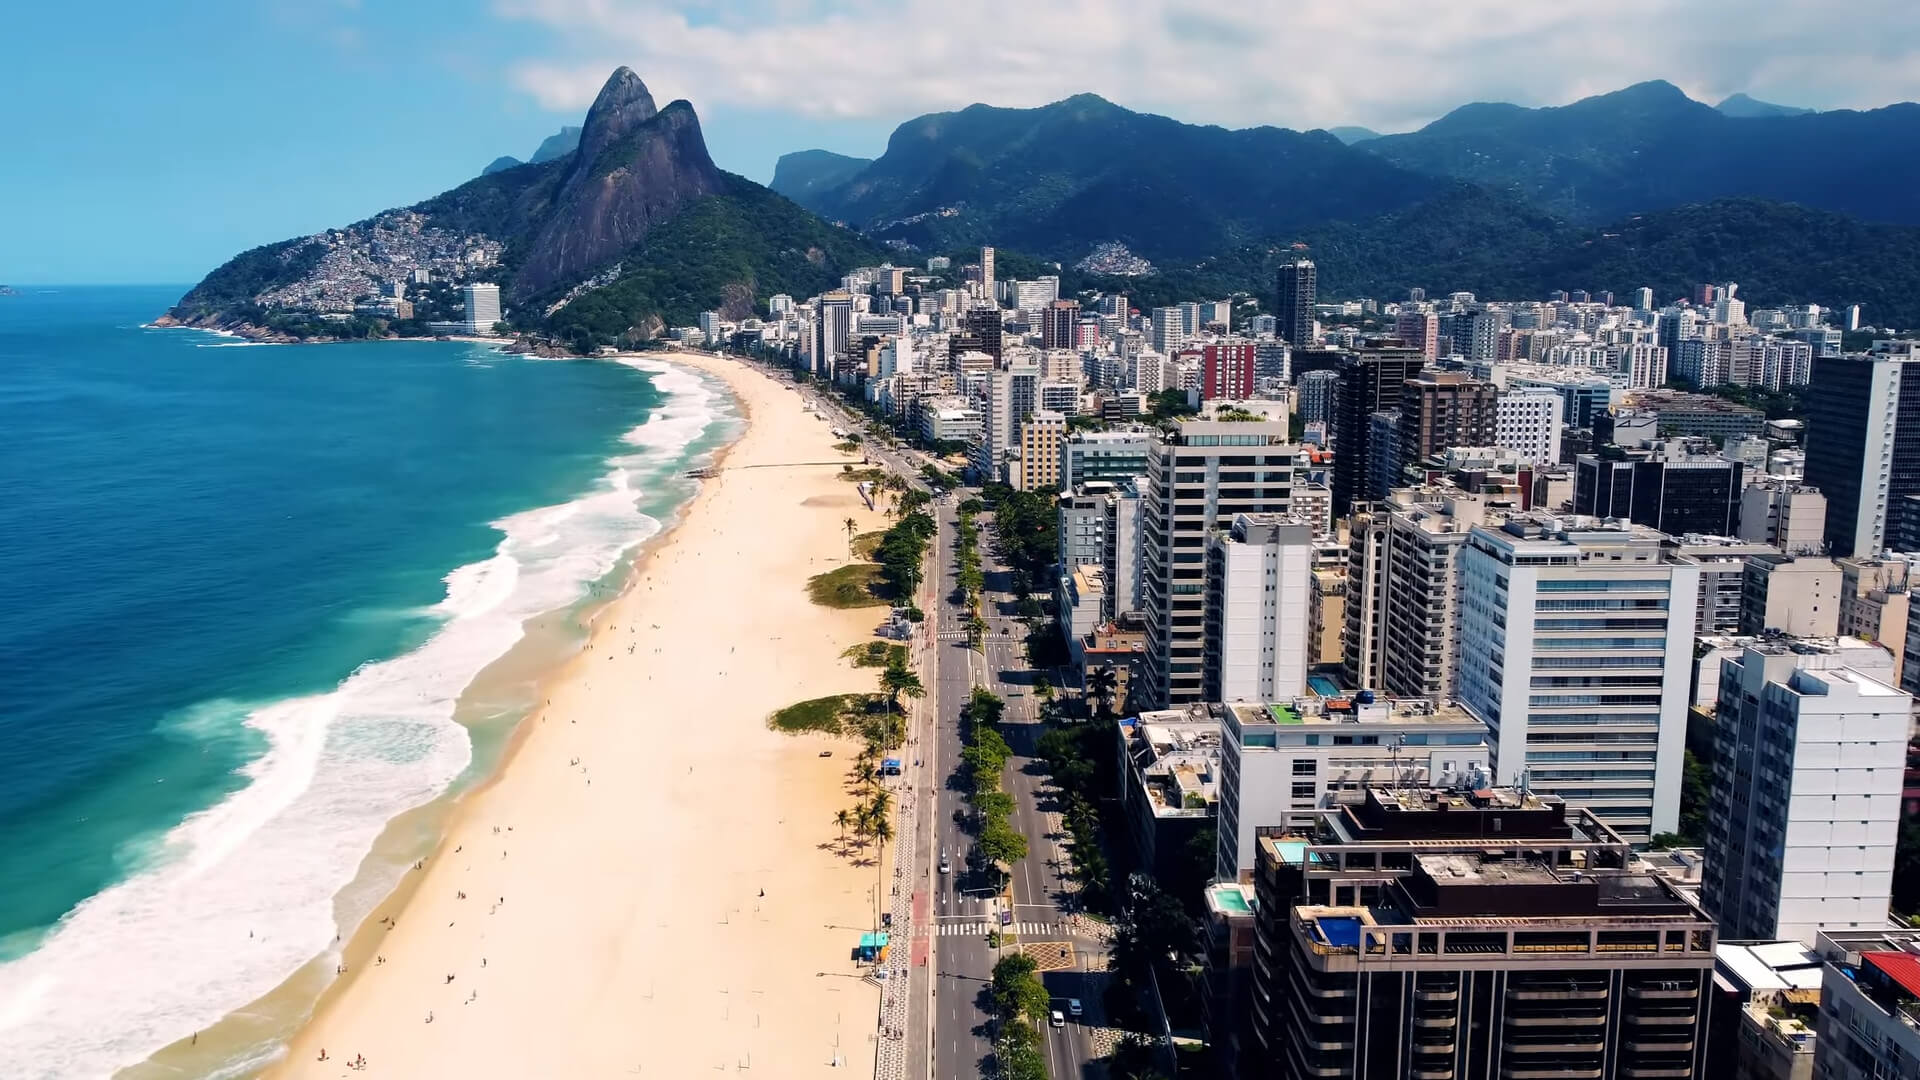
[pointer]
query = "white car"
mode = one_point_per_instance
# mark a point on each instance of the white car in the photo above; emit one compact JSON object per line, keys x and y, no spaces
{"x":1056,"y":1019}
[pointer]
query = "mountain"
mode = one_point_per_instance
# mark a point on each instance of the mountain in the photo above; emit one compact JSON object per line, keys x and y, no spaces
{"x":1649,"y":146}
{"x":634,"y":230}
{"x":1742,"y":106}
{"x":557,"y":145}
{"x":1351,"y":135}
{"x":803,"y":172}
{"x":501,"y":164}
{"x":1495,"y":244}
{"x":1060,"y":179}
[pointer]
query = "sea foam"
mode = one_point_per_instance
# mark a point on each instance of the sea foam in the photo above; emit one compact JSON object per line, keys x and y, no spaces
{"x":239,"y":896}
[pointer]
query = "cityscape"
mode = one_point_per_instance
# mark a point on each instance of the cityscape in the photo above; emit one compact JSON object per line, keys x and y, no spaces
{"x":1386,"y":575}
{"x":1304,"y":551}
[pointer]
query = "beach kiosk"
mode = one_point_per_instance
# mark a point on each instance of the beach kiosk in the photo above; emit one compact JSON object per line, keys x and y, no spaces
{"x":873,"y":948}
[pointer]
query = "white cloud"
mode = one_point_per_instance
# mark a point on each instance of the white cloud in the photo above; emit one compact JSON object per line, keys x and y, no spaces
{"x":1297,"y":63}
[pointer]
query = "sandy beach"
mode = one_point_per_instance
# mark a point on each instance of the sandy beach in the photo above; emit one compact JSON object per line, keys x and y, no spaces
{"x":597,"y":909}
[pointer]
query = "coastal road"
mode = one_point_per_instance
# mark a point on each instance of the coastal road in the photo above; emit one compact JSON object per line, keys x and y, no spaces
{"x":951,"y":962}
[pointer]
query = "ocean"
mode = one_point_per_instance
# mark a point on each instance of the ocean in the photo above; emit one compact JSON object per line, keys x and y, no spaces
{"x":242,"y":591}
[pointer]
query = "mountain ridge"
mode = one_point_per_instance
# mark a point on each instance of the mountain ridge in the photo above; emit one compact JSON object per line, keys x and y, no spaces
{"x":552,"y":234}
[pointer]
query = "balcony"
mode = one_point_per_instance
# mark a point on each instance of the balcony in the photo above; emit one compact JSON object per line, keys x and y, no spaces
{"x":1662,"y":1019}
{"x":1436,"y":995}
{"x":1560,"y":1021}
{"x":1665,"y":991}
{"x":1592,"y":1046}
{"x":1571,"y":994}
{"x":1525,"y":1071}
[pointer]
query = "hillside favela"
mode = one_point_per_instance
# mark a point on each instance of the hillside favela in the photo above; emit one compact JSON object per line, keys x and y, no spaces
{"x":1139,"y":579}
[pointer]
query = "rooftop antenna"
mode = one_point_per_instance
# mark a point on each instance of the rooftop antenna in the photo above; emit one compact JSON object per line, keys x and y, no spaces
{"x":1398,"y":744}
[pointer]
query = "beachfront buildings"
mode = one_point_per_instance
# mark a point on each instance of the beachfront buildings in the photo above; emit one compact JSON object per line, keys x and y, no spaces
{"x":1809,"y":763}
{"x":1428,"y":932}
{"x":482,"y":306}
{"x":1113,"y":454}
{"x":1259,"y":586}
{"x":1869,"y":1004}
{"x":1285,"y":764}
{"x":1203,"y":474}
{"x":1576,"y":641}
{"x":1041,"y":436}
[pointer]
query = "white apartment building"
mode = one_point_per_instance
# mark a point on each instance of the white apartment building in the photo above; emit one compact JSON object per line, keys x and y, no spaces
{"x":1529,"y":422}
{"x":1259,"y":596}
{"x":483,"y":307}
{"x":1576,"y":640}
{"x":1169,"y":329}
{"x":1008,"y":397}
{"x":1808,"y":764}
{"x":1789,"y":515}
{"x":1402,"y":606}
{"x":1202,"y":474}
{"x":1282,"y":762}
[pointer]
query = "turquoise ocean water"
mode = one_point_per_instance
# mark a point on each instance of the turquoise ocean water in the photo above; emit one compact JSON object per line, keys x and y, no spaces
{"x":241,"y":590}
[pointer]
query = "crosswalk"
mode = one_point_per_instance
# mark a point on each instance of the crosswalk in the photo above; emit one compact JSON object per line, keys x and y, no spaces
{"x":979,"y":929}
{"x":951,"y":635}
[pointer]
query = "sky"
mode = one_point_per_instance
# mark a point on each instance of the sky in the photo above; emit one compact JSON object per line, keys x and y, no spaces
{"x":144,"y":142}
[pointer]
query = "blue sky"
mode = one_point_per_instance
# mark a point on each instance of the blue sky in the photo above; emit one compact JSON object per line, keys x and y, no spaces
{"x":144,"y":142}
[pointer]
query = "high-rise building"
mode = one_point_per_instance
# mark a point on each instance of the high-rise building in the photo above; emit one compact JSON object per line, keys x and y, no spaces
{"x":1315,"y":393}
{"x":1227,"y":370}
{"x":984,"y":326}
{"x":1169,"y":329}
{"x":1009,"y":396}
{"x":1722,"y":563}
{"x":832,"y":327}
{"x":1808,"y":767}
{"x":1115,"y":454}
{"x":1259,"y":586}
{"x":1296,"y":289}
{"x":1473,"y":932}
{"x":1528,"y":422}
{"x":1419,"y":330}
{"x":1371,"y":381}
{"x":1285,"y":763}
{"x":1041,"y":436}
{"x":1785,"y":594}
{"x":1402,"y":609}
{"x":1786,"y":514}
{"x":1675,"y":493}
{"x":1643,"y":299}
{"x":1439,"y":409}
{"x":1576,"y":647}
{"x":483,"y":307}
{"x":1203,"y":473}
{"x":1057,"y":324}
{"x":986,"y":271}
{"x":1863,"y":445}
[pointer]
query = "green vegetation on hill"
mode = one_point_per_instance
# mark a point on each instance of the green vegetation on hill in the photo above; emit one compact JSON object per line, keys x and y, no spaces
{"x":1649,"y":146}
{"x":721,"y":252}
{"x":804,"y":172}
{"x":1063,"y":177}
{"x":1500,"y":246}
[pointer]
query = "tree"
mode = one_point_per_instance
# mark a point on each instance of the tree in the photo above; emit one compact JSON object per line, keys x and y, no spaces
{"x":1017,"y":990}
{"x":865,"y":773}
{"x":999,"y":844}
{"x":851,"y":525}
{"x":1134,"y":1059}
{"x":842,"y":818}
{"x":1102,"y":684}
{"x":882,"y":832}
{"x":898,"y":679}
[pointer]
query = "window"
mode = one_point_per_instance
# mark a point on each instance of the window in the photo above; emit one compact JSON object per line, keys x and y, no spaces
{"x":1305,"y":791}
{"x":1304,"y":766}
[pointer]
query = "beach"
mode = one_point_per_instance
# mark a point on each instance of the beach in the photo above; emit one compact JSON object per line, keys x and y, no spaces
{"x":649,"y":885}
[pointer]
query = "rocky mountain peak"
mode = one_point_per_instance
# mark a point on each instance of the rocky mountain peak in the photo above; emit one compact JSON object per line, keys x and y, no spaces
{"x":622,"y":106}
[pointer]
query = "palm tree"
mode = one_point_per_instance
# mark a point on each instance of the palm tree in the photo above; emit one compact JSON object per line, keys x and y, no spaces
{"x":1102,"y":683}
{"x":842,"y":818}
{"x":851,"y":525}
{"x":882,"y":832}
{"x":882,"y":802}
{"x":865,"y":773}
{"x":862,"y":820}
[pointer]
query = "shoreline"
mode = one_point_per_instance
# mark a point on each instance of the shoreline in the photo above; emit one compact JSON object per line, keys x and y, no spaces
{"x":363,"y":1002}
{"x":491,"y":706}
